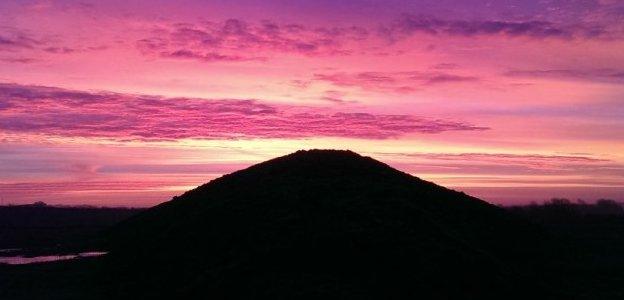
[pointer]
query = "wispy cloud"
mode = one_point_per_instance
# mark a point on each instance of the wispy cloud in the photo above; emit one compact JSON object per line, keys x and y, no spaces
{"x":23,"y":42}
{"x":19,"y":60}
{"x":411,"y":24}
{"x":511,"y":164}
{"x":11,"y":40}
{"x":334,"y":96}
{"x":240,"y":40}
{"x":207,"y":56}
{"x":398,"y":82}
{"x":236,"y":40}
{"x":601,"y":75}
{"x":61,"y":112}
{"x":534,"y":159}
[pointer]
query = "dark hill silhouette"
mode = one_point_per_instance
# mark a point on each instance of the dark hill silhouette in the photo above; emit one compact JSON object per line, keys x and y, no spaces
{"x":323,"y":224}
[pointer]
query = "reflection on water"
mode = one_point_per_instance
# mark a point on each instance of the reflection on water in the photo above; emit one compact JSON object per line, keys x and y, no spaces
{"x":21,"y":260}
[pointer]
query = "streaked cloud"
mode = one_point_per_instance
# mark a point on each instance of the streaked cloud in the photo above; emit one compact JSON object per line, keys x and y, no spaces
{"x":607,"y":171}
{"x":61,"y":112}
{"x":409,"y":24}
{"x":13,"y":40}
{"x":601,"y":75}
{"x":239,"y":40}
{"x":396,"y":82}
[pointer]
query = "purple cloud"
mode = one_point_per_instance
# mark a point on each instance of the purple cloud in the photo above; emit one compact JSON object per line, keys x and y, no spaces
{"x":45,"y":188}
{"x":510,"y":164}
{"x":335,"y":97}
{"x":23,"y":41}
{"x":61,"y":112}
{"x":202,"y":168}
{"x":448,"y":78}
{"x":411,"y":24}
{"x":398,"y":82}
{"x":14,"y":40}
{"x":445,"y":66}
{"x":18,"y":60}
{"x":239,"y":40}
{"x":538,"y":159}
{"x":236,"y":40}
{"x":59,"y":50}
{"x":601,"y":75}
{"x":211,"y":56}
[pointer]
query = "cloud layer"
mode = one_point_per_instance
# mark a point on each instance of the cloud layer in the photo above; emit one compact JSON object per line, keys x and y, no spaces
{"x":15,"y":41}
{"x":240,"y":40}
{"x":397,"y":82}
{"x":237,"y":40}
{"x":599,"y":75}
{"x":61,"y":112}
{"x":411,"y":24}
{"x":497,"y":168}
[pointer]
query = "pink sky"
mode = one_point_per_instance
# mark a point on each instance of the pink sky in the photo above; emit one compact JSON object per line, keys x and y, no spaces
{"x":132,"y":102}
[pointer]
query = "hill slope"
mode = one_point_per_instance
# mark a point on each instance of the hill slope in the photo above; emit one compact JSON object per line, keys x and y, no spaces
{"x":326,"y":224}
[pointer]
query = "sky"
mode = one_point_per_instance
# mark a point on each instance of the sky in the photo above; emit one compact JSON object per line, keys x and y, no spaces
{"x":128,"y":103}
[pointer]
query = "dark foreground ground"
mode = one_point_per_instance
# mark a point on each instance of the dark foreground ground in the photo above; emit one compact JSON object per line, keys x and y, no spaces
{"x":48,"y":228}
{"x":31,"y":230}
{"x":588,"y":261}
{"x":589,"y":258}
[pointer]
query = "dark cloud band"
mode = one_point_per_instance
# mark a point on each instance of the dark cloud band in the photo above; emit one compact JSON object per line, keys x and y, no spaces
{"x":61,"y":112}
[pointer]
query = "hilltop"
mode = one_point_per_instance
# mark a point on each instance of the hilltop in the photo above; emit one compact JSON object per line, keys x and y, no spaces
{"x":324,"y":224}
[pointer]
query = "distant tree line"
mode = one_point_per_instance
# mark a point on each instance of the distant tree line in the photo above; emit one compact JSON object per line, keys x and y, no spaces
{"x":559,"y":210}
